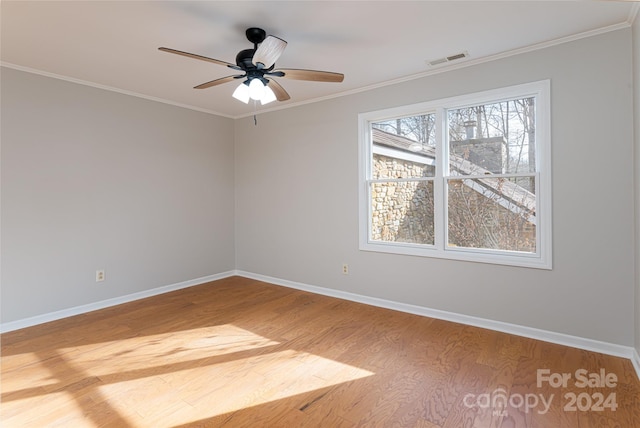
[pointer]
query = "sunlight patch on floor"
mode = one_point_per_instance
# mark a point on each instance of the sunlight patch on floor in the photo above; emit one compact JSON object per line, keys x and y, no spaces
{"x":221,"y":388}
{"x":24,"y":369}
{"x":47,"y":406}
{"x":164,"y":352}
{"x":161,"y":380}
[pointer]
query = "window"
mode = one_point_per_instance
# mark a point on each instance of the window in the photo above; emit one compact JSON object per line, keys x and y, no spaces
{"x":464,"y":178}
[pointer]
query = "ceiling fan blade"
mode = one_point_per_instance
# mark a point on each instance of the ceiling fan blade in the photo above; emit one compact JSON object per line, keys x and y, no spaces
{"x":216,"y":82}
{"x":281,"y":94}
{"x":268,"y":52}
{"x":200,"y":57}
{"x":312,"y":75}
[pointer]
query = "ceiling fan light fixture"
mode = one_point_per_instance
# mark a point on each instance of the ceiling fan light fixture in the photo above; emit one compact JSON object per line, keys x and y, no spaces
{"x":256,"y":89}
{"x":242,"y":93}
{"x":269,"y":96}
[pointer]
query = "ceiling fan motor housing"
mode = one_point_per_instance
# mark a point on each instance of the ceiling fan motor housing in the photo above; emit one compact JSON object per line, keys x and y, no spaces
{"x":244,"y":57}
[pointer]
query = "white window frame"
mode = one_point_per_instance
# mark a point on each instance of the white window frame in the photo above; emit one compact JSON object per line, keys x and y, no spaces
{"x":542,"y":258}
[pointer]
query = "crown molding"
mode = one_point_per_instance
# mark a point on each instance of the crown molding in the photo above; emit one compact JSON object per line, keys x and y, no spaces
{"x":108,"y":88}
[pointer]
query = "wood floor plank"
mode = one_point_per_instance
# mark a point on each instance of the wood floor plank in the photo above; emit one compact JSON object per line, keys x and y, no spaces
{"x":244,"y":353}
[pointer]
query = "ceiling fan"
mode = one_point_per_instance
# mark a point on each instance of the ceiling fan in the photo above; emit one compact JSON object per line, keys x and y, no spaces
{"x":257,"y":67}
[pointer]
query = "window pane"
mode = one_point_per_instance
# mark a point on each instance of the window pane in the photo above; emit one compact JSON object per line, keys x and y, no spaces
{"x":492,"y":213}
{"x":497,"y":138}
{"x":394,"y":167}
{"x":402,"y":211}
{"x":404,"y":147}
{"x":420,"y":128}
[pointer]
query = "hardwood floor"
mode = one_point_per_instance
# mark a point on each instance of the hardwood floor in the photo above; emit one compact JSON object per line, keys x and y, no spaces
{"x":243,"y":353}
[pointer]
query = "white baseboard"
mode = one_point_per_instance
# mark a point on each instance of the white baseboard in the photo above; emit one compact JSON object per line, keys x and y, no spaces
{"x":519,"y":330}
{"x":635,"y":360}
{"x":77,"y":310}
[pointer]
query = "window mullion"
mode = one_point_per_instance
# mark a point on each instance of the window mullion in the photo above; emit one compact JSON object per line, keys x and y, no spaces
{"x":442,"y":166}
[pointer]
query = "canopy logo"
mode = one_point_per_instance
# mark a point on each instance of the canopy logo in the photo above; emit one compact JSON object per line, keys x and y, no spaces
{"x":499,"y":400}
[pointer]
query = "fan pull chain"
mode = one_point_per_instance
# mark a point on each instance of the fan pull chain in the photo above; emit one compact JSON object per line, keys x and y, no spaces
{"x":255,"y":108}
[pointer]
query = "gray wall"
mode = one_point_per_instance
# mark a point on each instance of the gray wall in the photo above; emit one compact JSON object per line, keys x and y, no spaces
{"x":636,"y":95}
{"x":297,"y":196}
{"x":93,"y":179}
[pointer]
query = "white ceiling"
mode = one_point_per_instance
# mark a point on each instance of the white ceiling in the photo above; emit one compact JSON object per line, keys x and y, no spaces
{"x":114,"y":44}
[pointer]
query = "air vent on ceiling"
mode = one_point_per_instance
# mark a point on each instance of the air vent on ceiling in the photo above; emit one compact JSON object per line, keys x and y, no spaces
{"x":449,"y":58}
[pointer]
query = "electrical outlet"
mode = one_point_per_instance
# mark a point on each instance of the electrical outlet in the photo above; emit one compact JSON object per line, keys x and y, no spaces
{"x":345,"y":269}
{"x":100,"y":275}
